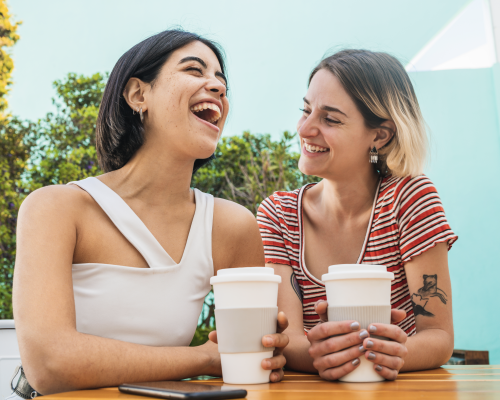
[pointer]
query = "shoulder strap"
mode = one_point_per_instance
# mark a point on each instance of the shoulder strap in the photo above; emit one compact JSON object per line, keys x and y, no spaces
{"x":199,"y":243}
{"x":127,"y":222}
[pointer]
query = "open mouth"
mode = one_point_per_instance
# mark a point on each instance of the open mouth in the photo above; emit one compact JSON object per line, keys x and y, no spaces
{"x":315,"y":149}
{"x":209,"y":112}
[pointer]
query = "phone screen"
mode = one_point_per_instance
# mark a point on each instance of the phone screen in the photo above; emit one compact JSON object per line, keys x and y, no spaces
{"x":181,"y":390}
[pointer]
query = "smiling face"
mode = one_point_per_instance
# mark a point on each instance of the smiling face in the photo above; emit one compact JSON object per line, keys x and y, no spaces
{"x":334,"y":140}
{"x":186,"y":106}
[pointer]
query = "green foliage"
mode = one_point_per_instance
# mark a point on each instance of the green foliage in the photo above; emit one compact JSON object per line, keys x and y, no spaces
{"x":65,"y":141}
{"x":249,"y":168}
{"x":56,"y":150}
{"x":15,"y":148}
{"x":8,"y":37}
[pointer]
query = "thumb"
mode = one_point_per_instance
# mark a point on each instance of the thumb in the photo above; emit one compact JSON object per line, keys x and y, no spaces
{"x":321,"y":308}
{"x":213,"y":336}
{"x":397,"y":316}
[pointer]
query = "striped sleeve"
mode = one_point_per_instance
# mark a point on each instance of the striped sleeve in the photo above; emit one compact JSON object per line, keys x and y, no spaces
{"x":271,"y":233}
{"x":421,"y":218}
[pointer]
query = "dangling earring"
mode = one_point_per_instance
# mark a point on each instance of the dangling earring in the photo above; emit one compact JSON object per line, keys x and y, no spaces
{"x":374,"y":155}
{"x":140,"y":114}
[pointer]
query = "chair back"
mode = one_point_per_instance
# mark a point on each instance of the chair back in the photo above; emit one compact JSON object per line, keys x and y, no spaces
{"x":9,"y":355}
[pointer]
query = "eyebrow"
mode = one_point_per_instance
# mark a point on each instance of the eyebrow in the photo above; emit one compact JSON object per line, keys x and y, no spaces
{"x":327,"y":108}
{"x":204,"y":65}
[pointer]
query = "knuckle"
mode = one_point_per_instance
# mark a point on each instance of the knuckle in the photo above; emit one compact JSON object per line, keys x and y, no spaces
{"x":333,"y":360}
{"x":393,"y":375}
{"x":332,"y":345}
{"x":323,"y":330}
{"x":332,"y":374}
{"x":394,"y":363}
{"x":351,"y":339}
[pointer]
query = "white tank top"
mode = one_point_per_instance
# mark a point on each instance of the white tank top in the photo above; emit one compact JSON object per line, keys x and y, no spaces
{"x":156,"y":306}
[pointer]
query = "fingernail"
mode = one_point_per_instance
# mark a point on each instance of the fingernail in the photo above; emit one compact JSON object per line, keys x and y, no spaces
{"x":362,"y":349}
{"x":354,"y":326}
{"x":363,"y":334}
{"x":371,"y":356}
{"x":369,"y":344}
{"x":378,"y":368}
{"x":268,"y":340}
{"x":355,"y":361}
{"x":268,"y":364}
{"x":373,"y":329}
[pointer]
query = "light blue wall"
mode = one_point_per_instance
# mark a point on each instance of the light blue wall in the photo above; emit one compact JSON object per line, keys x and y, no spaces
{"x":461,"y":109}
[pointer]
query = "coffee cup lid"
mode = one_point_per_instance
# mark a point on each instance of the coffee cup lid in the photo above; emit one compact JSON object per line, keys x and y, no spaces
{"x":357,"y":271}
{"x":251,"y":274}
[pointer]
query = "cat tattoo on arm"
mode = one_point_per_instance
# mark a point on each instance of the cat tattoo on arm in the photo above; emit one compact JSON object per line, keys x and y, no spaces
{"x":419,"y":300}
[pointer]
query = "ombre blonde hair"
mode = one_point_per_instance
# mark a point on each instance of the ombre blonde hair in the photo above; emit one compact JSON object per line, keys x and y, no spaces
{"x":382,"y":90}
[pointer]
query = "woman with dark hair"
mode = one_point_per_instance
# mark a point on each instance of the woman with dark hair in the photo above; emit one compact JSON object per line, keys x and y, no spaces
{"x":362,"y":132}
{"x":111,"y":272}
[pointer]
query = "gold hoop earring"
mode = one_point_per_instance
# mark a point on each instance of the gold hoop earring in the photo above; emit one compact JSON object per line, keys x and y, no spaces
{"x":140,"y":114}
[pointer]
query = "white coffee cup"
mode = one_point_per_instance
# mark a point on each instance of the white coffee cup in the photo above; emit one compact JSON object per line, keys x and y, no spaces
{"x":359,"y":292}
{"x":245,"y":310}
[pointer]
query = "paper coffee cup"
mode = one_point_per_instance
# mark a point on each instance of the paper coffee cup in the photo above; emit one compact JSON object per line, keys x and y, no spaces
{"x":359,"y":292}
{"x":245,"y":310}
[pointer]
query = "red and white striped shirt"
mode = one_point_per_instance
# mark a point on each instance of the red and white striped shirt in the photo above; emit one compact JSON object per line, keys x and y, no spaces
{"x":407,"y":219}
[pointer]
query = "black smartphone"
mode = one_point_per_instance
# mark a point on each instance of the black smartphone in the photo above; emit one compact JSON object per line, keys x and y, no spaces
{"x":181,"y":390}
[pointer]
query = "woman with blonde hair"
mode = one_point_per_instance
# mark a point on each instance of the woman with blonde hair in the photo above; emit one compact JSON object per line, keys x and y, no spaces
{"x":362,"y":132}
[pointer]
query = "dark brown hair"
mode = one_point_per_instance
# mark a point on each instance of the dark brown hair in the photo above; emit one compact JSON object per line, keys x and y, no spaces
{"x":119,"y":132}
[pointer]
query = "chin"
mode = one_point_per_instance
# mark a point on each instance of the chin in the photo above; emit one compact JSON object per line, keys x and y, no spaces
{"x":307,"y":168}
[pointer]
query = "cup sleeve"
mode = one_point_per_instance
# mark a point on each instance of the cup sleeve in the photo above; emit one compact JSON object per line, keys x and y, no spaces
{"x":272,"y":237}
{"x":421,"y":219}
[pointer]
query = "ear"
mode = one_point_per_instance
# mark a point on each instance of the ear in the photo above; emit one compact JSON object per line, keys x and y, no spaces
{"x":426,"y":276}
{"x":134,"y":94}
{"x":384,"y":133}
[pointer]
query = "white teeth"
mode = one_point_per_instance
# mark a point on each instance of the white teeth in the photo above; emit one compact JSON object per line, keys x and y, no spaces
{"x":315,"y":149}
{"x":211,"y":106}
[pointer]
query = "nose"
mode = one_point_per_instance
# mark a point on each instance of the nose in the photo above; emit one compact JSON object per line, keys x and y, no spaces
{"x":308,"y":128}
{"x":216,"y":86}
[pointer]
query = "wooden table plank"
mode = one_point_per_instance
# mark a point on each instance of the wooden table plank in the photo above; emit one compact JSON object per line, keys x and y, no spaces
{"x":460,"y":382}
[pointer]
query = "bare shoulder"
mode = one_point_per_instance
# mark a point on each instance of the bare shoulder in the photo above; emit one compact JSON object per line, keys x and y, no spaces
{"x":236,"y":237}
{"x":54,"y":201}
{"x":232,"y":216}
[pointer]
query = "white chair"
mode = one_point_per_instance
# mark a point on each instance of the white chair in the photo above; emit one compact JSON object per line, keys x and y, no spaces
{"x":9,"y":355}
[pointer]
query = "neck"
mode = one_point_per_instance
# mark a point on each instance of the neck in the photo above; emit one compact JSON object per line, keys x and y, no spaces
{"x":348,"y":196}
{"x":153,"y":176}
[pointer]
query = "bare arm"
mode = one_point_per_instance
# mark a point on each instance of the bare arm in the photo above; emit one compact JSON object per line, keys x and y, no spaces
{"x":236,"y":229}
{"x":56,"y":357}
{"x":236,"y":238}
{"x":430,"y":287}
{"x":296,"y":353}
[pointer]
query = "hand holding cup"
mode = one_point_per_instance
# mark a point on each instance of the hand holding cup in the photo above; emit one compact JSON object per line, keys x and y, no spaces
{"x":335,"y":357}
{"x":277,"y":340}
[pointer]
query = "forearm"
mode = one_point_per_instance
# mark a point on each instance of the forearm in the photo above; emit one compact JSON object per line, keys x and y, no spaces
{"x":297,"y":354}
{"x":429,"y":348}
{"x":79,"y":361}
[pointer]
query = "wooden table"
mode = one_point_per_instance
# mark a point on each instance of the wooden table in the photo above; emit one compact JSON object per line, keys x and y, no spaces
{"x":460,"y":382}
